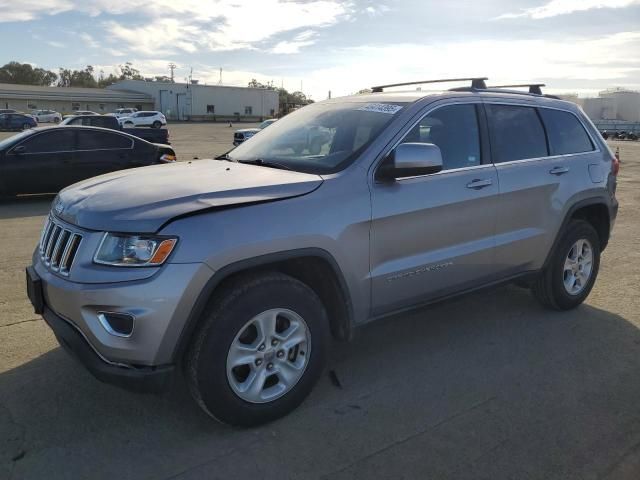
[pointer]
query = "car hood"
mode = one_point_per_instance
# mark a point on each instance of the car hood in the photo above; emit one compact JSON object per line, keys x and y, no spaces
{"x":248,"y":130}
{"x":143,"y":199}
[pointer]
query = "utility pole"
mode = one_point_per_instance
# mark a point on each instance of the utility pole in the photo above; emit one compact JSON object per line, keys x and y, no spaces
{"x":172,"y":67}
{"x":220,"y":80}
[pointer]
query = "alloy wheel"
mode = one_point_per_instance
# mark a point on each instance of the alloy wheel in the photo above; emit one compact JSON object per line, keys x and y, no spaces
{"x":268,"y":356}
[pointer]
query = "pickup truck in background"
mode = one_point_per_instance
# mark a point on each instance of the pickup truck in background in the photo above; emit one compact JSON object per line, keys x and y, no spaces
{"x":153,"y":135}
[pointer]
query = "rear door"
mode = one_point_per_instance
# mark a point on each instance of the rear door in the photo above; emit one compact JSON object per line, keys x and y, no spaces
{"x":432,"y":235}
{"x":45,"y":165}
{"x":101,"y":151}
{"x":540,"y":164}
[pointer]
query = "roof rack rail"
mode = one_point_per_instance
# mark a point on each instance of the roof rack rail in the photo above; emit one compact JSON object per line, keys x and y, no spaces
{"x":533,"y":87}
{"x":476,"y":83}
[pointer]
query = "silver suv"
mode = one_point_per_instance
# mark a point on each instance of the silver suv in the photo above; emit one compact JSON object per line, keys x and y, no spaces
{"x":239,"y":271}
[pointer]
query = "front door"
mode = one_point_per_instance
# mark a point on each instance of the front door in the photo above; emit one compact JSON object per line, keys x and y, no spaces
{"x":43,"y":163}
{"x":433,"y":235}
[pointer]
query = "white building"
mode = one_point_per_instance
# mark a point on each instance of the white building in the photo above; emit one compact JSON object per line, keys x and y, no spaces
{"x":183,"y":101}
{"x":615,"y":104}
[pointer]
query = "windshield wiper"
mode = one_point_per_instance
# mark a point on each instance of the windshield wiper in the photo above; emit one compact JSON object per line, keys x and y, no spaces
{"x":266,"y":163}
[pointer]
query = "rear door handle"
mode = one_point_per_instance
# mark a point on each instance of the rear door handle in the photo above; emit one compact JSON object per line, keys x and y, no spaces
{"x":477,"y":184}
{"x":558,"y":170}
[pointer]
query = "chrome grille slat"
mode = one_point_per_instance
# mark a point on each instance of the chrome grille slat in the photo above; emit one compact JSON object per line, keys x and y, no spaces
{"x":58,"y":246}
{"x":50,"y":244}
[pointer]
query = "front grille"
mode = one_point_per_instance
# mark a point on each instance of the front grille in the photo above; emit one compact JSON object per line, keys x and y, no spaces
{"x":58,"y":246}
{"x":238,"y":136}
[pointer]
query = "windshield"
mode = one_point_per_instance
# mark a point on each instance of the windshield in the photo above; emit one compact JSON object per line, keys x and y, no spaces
{"x":319,"y":138}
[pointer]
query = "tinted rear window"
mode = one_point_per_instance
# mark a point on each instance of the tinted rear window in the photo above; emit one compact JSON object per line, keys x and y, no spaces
{"x":566,"y":133}
{"x":517,"y":133}
{"x":95,"y":140}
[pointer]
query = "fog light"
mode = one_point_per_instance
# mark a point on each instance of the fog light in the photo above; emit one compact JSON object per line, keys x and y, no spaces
{"x":118,"y":324}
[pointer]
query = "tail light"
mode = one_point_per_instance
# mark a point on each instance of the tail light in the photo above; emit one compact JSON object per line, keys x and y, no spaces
{"x":615,"y":162}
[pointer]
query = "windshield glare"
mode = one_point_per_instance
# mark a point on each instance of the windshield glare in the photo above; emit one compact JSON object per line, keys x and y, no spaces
{"x":319,"y":138}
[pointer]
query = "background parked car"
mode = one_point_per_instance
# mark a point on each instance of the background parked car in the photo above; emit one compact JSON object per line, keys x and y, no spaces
{"x":45,"y":116}
{"x":80,"y":112}
{"x":17,"y":121}
{"x":144,"y":119}
{"x":153,"y":135}
{"x":243,"y":134}
{"x":45,"y":160}
{"x":123,"y":112}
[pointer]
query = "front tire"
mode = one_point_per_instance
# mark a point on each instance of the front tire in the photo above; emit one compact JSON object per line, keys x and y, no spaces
{"x":156,"y":124}
{"x":26,"y":126}
{"x":259,"y":350}
{"x":572,"y":270}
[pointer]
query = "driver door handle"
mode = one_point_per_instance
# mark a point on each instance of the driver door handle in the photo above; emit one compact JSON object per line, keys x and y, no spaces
{"x":477,"y":183}
{"x":558,"y":170}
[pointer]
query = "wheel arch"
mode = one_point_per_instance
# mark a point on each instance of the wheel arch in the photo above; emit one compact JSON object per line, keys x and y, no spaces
{"x":313,"y":266}
{"x":594,"y":210}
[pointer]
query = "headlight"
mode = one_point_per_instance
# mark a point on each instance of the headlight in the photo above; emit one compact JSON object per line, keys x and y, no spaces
{"x":134,"y":250}
{"x":168,"y":157}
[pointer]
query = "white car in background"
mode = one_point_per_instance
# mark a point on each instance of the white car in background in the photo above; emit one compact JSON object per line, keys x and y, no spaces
{"x":46,"y":116}
{"x":123,"y":112}
{"x":143,"y":119}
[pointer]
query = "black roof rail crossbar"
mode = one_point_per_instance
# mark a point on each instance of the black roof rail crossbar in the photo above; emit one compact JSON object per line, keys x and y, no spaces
{"x":533,"y":87}
{"x":476,"y":82}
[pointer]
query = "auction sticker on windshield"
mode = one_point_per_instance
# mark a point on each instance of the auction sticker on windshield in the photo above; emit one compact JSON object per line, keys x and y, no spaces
{"x":381,"y":108}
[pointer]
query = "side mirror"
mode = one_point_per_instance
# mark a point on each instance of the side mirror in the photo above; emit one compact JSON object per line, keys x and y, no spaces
{"x":410,"y":160}
{"x":19,"y":150}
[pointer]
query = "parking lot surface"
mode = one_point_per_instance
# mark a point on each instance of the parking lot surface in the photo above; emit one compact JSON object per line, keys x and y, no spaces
{"x":489,"y":386}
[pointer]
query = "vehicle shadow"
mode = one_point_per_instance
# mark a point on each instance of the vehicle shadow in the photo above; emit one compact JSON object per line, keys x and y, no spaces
{"x":25,"y":206}
{"x":491,"y":386}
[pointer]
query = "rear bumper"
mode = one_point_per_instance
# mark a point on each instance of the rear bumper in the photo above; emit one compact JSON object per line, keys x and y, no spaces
{"x":143,"y":379}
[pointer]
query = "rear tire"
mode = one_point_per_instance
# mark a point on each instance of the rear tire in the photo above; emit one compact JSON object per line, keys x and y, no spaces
{"x":156,"y":124}
{"x":222,"y":381}
{"x":572,"y":270}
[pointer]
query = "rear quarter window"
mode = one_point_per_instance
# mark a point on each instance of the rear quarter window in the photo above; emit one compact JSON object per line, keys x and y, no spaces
{"x":516,"y":133}
{"x":565,"y":132}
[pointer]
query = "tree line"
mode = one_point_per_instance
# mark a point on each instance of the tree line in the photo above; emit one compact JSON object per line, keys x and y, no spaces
{"x":26,"y":74}
{"x":288,"y":100}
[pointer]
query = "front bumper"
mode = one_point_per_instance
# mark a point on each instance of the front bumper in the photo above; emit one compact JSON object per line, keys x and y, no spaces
{"x":160,"y":304}
{"x":141,"y":379}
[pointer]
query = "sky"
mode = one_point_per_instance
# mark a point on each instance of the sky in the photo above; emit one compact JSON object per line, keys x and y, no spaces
{"x":317,"y":46}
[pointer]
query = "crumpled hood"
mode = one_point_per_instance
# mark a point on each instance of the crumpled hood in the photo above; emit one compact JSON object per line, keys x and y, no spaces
{"x":143,"y":199}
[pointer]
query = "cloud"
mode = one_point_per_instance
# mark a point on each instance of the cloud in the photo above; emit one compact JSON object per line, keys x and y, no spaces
{"x":190,"y":25}
{"x":301,"y":40}
{"x":563,"y":7}
{"x":578,"y":61}
{"x":55,"y":44}
{"x":88,"y":40}
{"x":26,"y":10}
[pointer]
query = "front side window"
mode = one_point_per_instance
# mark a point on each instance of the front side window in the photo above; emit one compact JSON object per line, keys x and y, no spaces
{"x":566,"y":133}
{"x":454,"y":129}
{"x":516,"y":133}
{"x":319,"y":138}
{"x":50,"y":142}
